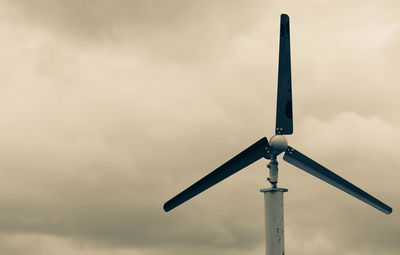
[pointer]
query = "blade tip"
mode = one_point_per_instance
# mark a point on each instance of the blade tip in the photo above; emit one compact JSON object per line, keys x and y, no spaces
{"x":284,"y":16}
{"x":166,"y":207}
{"x":388,"y":211}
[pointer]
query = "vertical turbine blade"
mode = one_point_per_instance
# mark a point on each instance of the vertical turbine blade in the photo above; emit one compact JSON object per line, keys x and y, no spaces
{"x":284,"y":110}
{"x":250,"y":155}
{"x":310,"y":166}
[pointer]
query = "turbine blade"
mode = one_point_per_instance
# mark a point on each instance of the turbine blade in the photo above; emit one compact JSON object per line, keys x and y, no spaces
{"x":248,"y":156}
{"x":284,"y":110}
{"x":304,"y":163}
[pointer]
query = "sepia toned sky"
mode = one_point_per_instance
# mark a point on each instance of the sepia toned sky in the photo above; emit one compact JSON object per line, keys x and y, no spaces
{"x":110,"y":108}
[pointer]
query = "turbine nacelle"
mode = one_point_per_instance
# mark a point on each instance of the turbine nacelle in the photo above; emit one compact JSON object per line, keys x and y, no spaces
{"x":278,"y":144}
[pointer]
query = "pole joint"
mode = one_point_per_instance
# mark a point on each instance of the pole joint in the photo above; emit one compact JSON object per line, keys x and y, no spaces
{"x":273,"y":171}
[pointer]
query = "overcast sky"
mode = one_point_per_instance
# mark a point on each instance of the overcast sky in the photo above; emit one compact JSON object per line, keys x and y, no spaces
{"x":109,"y":108}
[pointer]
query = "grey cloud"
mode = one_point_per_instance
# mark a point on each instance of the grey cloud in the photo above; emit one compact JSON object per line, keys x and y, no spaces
{"x":96,"y":136}
{"x":170,"y":29}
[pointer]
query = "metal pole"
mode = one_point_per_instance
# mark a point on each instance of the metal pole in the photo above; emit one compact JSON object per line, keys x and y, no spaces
{"x":273,"y":199}
{"x":274,"y":228}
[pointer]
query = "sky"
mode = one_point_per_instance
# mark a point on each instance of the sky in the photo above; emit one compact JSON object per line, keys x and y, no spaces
{"x":110,"y":108}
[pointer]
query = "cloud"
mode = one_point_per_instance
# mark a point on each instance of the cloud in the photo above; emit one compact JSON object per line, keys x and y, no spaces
{"x":179,"y":29}
{"x":108,"y":110}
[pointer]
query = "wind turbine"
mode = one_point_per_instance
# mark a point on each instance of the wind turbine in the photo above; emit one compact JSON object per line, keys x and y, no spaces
{"x":278,"y":144}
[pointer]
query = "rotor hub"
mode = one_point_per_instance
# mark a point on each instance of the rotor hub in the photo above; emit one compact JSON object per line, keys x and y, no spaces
{"x":278,"y":144}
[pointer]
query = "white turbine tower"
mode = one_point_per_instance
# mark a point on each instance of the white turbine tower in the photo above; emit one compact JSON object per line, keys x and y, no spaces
{"x":278,"y":144}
